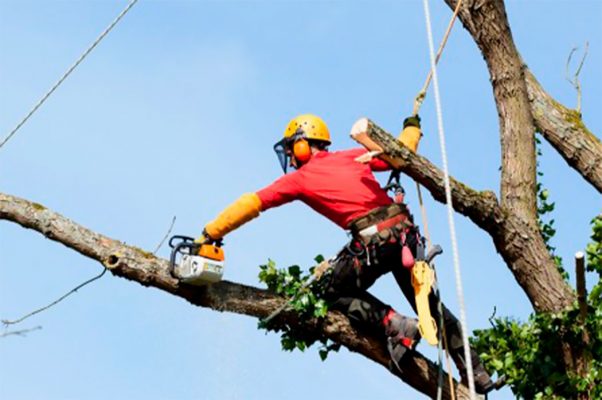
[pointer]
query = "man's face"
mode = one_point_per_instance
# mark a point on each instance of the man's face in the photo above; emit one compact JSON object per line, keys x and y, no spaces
{"x":291,"y":157}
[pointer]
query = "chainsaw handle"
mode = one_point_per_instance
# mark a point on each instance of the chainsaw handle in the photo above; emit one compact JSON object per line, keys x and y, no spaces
{"x":186,"y":242}
{"x":184,"y":239}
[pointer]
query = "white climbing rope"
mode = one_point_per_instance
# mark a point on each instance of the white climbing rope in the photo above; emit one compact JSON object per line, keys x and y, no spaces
{"x":450,"y":211}
{"x":66,"y":74}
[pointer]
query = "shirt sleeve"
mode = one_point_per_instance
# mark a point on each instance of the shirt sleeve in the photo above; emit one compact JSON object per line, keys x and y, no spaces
{"x":376,"y":164}
{"x":283,"y":190}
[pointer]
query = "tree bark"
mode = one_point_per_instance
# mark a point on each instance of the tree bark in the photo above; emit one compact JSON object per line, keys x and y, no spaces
{"x":564,"y":129}
{"x":138,"y":265}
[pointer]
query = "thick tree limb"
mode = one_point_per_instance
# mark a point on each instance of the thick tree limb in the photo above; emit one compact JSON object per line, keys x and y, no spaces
{"x":481,"y":207}
{"x":565,"y":131}
{"x":143,"y":267}
{"x":521,"y":247}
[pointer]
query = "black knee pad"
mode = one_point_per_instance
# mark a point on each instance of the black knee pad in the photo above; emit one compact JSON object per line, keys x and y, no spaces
{"x":360,"y":311}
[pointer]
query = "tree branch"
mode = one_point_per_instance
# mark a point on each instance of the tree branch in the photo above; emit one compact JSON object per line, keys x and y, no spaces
{"x":145,"y":268}
{"x":564,"y":129}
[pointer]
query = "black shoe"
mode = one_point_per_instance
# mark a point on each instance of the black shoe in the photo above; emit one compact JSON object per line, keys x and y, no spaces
{"x":403,"y":335}
{"x":482,"y":381}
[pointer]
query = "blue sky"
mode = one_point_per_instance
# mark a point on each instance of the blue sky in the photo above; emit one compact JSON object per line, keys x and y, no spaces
{"x":175,"y":113}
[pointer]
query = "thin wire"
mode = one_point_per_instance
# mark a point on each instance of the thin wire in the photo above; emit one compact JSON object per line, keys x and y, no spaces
{"x":66,"y":74}
{"x":450,"y":216}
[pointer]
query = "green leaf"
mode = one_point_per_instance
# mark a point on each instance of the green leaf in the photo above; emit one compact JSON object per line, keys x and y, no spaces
{"x":498,"y":365}
{"x":294,"y":271}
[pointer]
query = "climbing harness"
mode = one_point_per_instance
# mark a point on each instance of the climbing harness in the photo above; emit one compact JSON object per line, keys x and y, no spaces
{"x":69,"y":71}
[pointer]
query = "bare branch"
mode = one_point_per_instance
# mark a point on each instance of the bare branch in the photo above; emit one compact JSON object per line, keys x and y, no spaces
{"x":574,"y":80}
{"x":22,"y":332}
{"x":173,"y":221}
{"x":63,"y":297}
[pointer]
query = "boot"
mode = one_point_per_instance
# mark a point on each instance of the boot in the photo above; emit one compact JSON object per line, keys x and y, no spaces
{"x":402,"y":334}
{"x":482,"y":381}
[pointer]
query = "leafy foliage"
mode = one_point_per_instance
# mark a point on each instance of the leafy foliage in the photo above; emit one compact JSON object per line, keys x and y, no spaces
{"x":545,"y":207}
{"x":304,"y":298}
{"x":530,"y":354}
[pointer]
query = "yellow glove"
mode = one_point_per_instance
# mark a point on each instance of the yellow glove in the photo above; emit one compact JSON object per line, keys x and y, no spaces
{"x":241,"y":211}
{"x":411,"y":133}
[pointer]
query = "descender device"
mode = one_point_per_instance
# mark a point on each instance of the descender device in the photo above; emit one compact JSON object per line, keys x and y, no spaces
{"x":196,"y":263}
{"x":423,"y":279}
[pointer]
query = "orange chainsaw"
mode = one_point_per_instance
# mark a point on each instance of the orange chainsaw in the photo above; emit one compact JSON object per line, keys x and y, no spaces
{"x":196,"y":263}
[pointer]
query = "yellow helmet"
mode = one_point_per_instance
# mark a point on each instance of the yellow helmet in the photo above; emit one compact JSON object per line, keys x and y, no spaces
{"x":298,"y":133}
{"x":312,"y":127}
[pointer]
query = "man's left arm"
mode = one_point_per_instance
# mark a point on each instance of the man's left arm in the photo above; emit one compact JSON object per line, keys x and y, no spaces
{"x":247,"y":207}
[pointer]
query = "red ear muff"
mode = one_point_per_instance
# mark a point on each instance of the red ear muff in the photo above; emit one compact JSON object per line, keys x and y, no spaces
{"x":302,"y":151}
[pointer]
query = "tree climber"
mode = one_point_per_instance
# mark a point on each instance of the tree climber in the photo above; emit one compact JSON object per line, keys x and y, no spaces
{"x":346,"y":192}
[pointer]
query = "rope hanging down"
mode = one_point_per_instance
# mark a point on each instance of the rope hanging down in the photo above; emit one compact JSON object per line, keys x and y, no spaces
{"x":452,"y":228}
{"x":418,"y":103}
{"x":66,"y":74}
{"x":422,"y":94}
{"x":419,"y":99}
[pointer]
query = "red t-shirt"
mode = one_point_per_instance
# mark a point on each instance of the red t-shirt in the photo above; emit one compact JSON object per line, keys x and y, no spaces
{"x":333,"y":184}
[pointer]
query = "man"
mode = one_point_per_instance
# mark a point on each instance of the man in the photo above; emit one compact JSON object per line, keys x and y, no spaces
{"x":384,"y":238}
